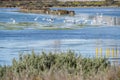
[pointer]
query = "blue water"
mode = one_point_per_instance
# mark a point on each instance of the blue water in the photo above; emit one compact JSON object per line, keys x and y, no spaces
{"x":84,"y":33}
{"x":23,"y":32}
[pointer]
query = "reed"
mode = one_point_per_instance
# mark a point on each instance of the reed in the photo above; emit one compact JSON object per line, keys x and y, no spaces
{"x":58,"y":66}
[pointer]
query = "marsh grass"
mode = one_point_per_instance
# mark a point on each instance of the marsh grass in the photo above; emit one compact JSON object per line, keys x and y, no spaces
{"x":60,"y":66}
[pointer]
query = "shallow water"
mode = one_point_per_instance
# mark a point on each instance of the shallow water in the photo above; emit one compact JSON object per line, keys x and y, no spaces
{"x":91,"y":32}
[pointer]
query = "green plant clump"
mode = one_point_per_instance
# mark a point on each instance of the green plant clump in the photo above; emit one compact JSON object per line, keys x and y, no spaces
{"x":34,"y":64}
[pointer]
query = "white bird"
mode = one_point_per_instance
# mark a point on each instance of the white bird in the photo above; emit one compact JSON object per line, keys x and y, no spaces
{"x":50,"y":20}
{"x":68,"y":20}
{"x":36,"y":19}
{"x":93,"y":22}
{"x":85,"y":21}
{"x":13,"y":20}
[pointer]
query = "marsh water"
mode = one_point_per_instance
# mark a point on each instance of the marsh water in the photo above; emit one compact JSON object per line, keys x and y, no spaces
{"x":92,"y":32}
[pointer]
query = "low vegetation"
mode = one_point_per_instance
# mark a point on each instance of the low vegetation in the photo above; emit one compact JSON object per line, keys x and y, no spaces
{"x":43,"y":6}
{"x":39,"y":4}
{"x":60,"y":66}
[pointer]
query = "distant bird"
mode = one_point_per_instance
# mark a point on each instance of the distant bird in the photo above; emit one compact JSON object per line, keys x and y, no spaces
{"x":36,"y":19}
{"x":75,"y":21}
{"x":69,"y":20}
{"x":93,"y":22}
{"x":85,"y":21}
{"x":50,"y":20}
{"x":13,"y":20}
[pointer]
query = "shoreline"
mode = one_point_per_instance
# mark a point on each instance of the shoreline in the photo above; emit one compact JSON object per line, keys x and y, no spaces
{"x":60,"y":10}
{"x":75,"y":7}
{"x":48,"y":11}
{"x":88,"y":7}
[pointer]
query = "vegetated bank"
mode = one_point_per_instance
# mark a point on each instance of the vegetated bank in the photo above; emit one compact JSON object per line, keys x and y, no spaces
{"x":43,"y":6}
{"x":35,"y":7}
{"x":48,"y":11}
{"x":57,"y":3}
{"x":60,"y":66}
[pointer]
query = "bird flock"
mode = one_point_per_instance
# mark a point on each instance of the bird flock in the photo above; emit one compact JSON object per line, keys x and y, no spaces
{"x":97,"y":20}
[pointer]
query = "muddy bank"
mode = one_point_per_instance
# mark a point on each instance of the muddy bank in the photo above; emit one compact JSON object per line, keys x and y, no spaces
{"x":48,"y":11}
